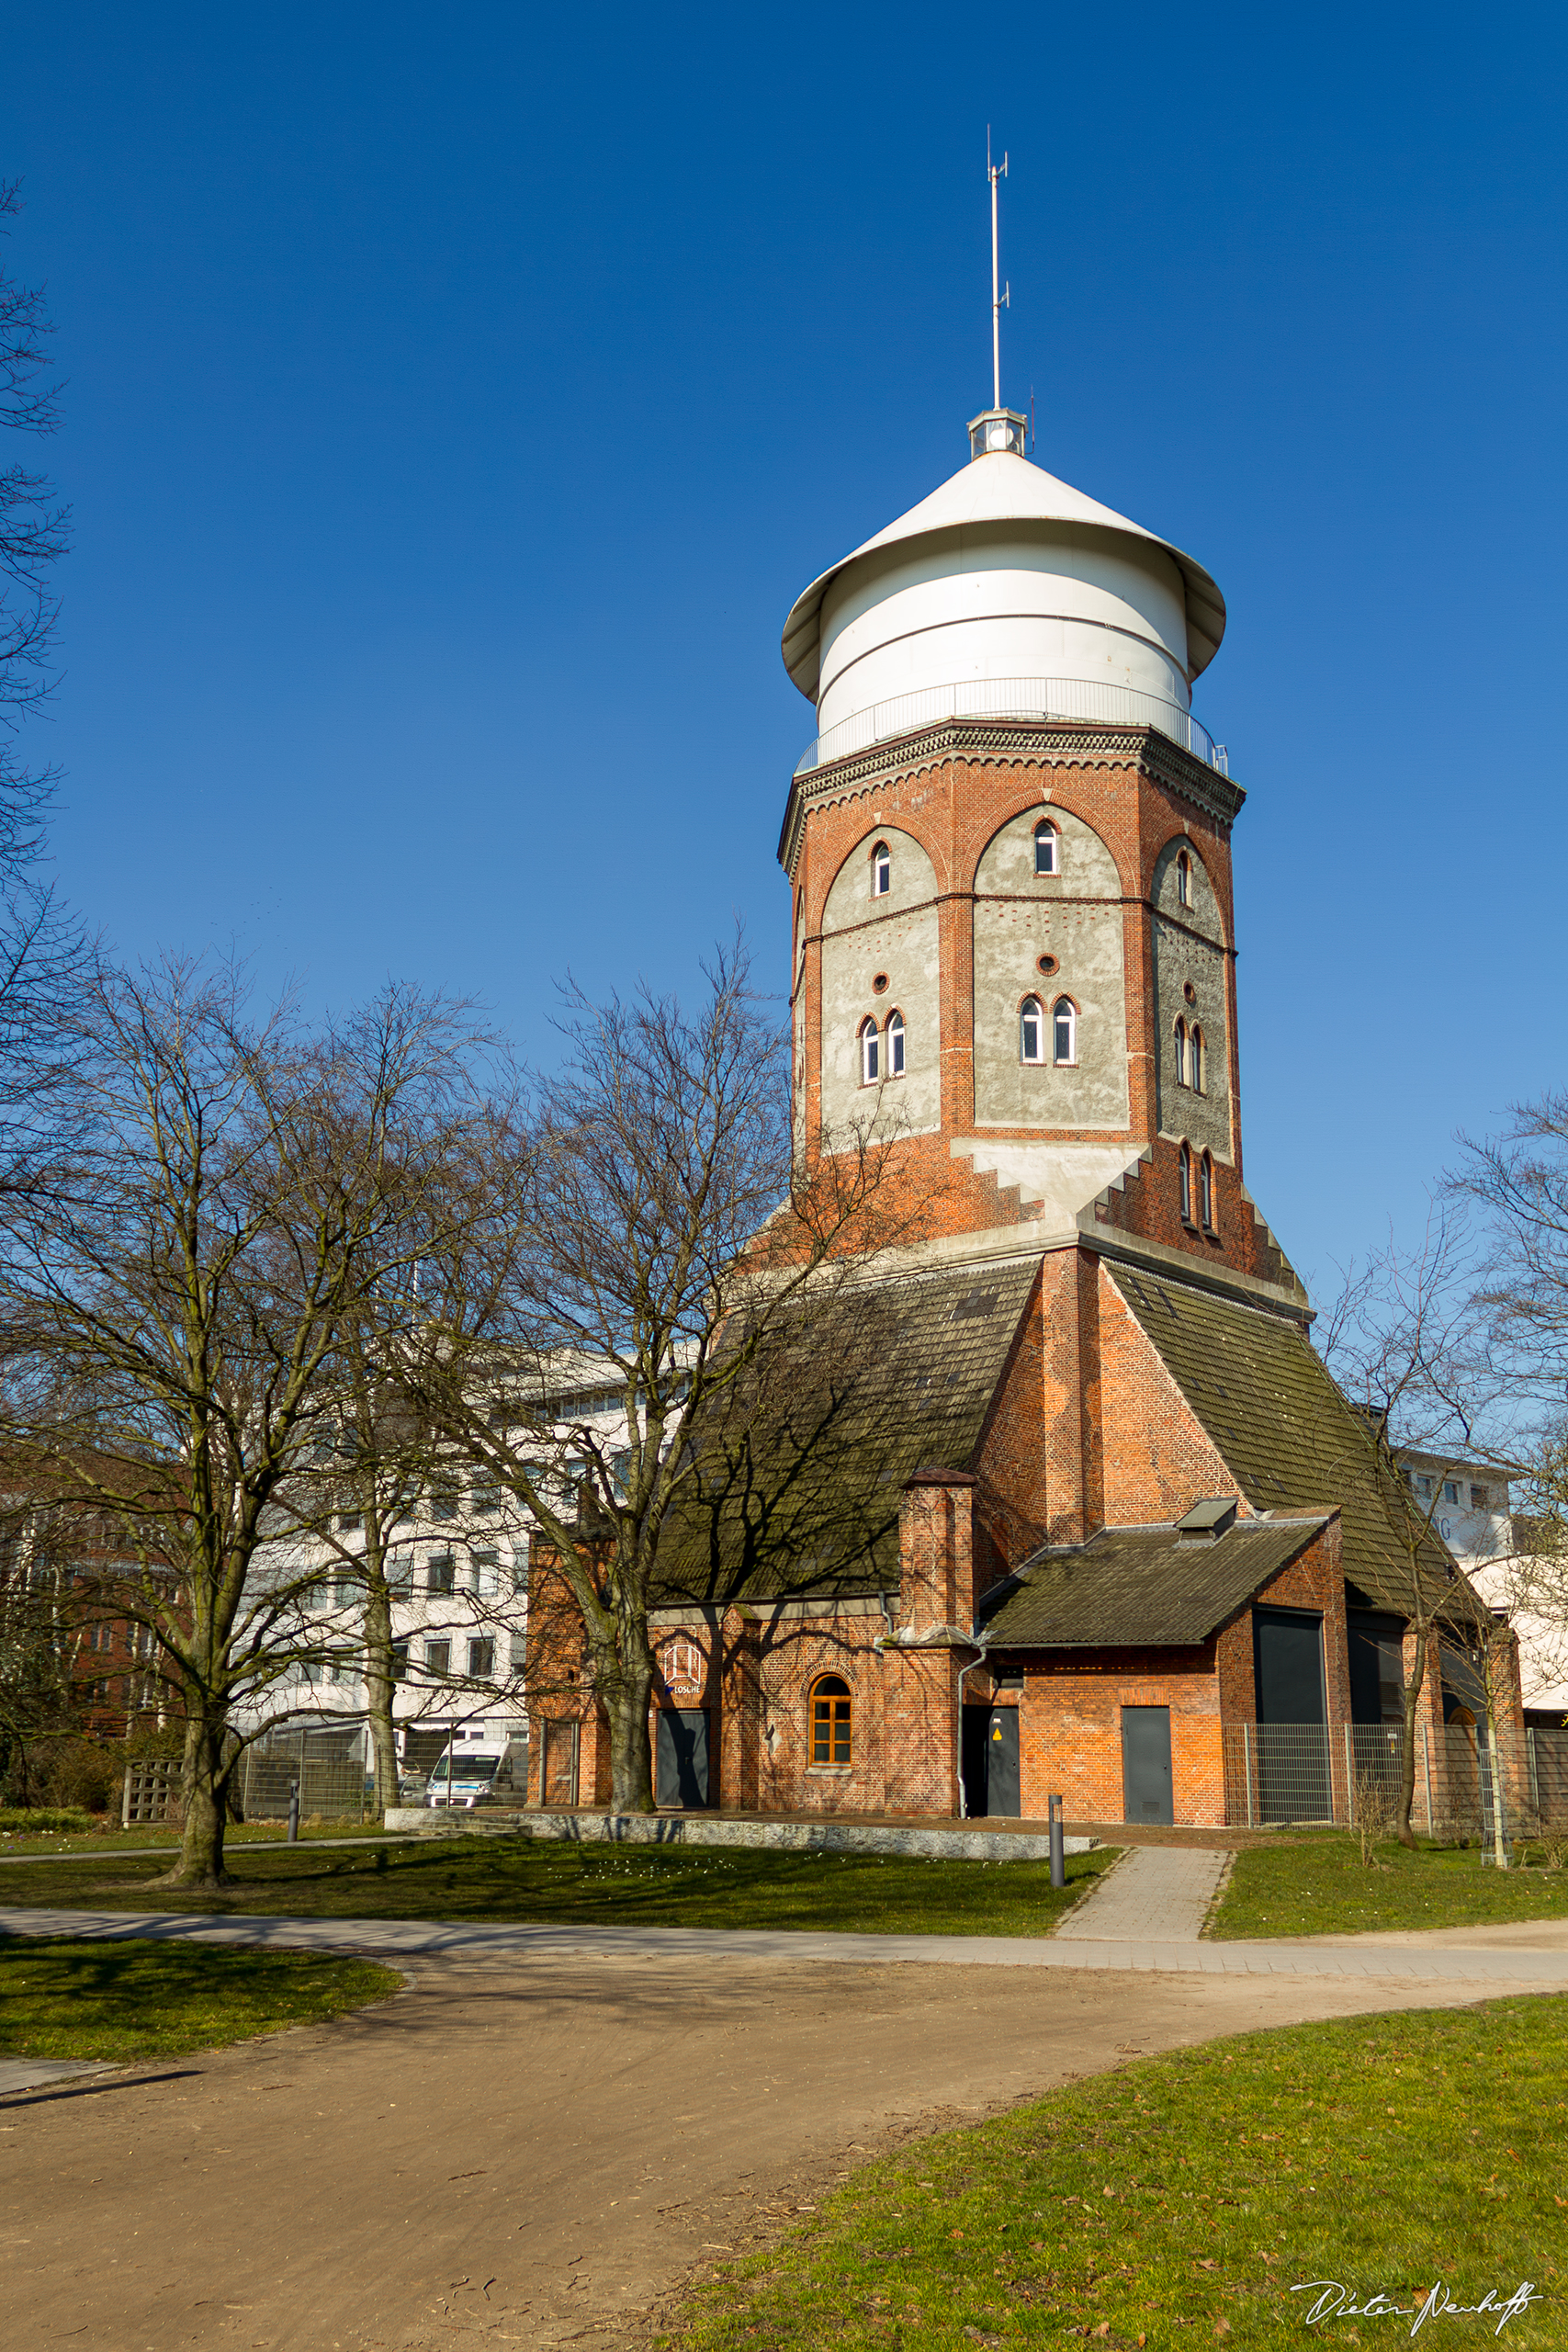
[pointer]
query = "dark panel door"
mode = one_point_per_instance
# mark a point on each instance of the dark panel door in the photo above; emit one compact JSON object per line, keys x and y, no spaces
{"x":1145,"y":1766}
{"x":976,"y":1730}
{"x":1002,"y":1762}
{"x":681,"y":1756}
{"x":1292,"y":1726}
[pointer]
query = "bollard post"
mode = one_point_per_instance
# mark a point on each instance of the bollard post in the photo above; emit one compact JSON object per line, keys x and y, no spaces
{"x":1058,"y":1855}
{"x":293,"y":1812}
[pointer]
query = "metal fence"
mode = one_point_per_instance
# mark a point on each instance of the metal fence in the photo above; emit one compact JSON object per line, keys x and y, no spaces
{"x":1091,"y":700}
{"x":1347,"y":1772}
{"x":330,"y":1773}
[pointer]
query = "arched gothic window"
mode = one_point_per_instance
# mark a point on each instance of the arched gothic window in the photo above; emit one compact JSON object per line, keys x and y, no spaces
{"x":895,"y":1044}
{"x":1181,"y":1053}
{"x":1184,"y":1164}
{"x":1206,"y":1191}
{"x":881,"y":871}
{"x":1032,"y":1030}
{"x":1064,"y":1032}
{"x":832,"y":1721}
{"x":1047,"y":848}
{"x":1183,"y":880}
{"x":1196,"y":1058}
{"x":870,"y":1053}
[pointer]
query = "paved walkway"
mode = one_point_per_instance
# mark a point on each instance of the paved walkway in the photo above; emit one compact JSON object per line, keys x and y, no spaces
{"x":1153,"y":1894}
{"x":396,"y":1939}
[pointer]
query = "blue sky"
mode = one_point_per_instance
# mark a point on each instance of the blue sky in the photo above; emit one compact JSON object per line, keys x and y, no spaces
{"x":460,"y":398}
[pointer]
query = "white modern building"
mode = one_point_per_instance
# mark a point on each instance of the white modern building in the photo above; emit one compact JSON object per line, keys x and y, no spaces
{"x":458,"y":1574}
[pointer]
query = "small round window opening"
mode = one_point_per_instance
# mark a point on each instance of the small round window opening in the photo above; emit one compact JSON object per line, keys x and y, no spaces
{"x":880,"y":984}
{"x":1189,"y":993}
{"x":1047,"y":964}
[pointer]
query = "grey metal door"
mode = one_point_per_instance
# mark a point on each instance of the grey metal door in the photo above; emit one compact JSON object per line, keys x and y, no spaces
{"x":681,"y":1756}
{"x":1293,"y":1718}
{"x":1002,"y":1762}
{"x":1145,"y":1766}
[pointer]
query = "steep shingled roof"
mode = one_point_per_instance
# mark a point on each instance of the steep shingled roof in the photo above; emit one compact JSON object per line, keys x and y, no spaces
{"x":1267,"y":1401}
{"x":1131,"y":1586}
{"x":800,"y":1477}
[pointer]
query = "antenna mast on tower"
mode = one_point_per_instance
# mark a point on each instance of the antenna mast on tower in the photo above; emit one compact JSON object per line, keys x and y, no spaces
{"x":995,"y":172}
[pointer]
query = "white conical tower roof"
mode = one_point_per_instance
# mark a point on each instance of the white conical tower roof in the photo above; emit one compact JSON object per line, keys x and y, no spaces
{"x":1003,"y":570}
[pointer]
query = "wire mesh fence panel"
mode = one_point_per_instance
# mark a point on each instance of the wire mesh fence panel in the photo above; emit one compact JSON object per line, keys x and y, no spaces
{"x":331,"y":1782}
{"x":1277,"y":1773}
{"x":1547,"y":1761}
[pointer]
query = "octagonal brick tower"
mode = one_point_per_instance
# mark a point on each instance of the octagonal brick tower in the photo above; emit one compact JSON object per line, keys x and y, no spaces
{"x":1009,"y":853}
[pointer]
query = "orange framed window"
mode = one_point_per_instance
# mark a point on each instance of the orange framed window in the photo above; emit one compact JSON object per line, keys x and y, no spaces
{"x":832,"y":1721}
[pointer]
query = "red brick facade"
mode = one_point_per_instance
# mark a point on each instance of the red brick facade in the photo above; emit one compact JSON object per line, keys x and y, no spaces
{"x":1087,"y":1427}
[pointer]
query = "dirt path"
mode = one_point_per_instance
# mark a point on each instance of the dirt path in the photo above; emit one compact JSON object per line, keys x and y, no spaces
{"x":529,"y":2154}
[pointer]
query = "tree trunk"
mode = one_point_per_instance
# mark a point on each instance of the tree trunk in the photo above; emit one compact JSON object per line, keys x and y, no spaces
{"x":380,"y":1686}
{"x":625,"y":1698}
{"x":1412,"y":1689}
{"x":204,"y":1783}
{"x":1499,"y":1800}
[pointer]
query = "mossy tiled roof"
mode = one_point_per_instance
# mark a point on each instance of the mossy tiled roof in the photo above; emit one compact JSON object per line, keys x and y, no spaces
{"x":1136,"y":1586}
{"x":1290,"y":1438}
{"x":798,"y":1478}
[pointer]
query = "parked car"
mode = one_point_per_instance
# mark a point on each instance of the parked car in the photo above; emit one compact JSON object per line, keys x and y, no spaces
{"x":463,"y":1779}
{"x":412,"y":1785}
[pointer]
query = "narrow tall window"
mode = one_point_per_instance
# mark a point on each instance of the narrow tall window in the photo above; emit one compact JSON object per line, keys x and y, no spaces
{"x":1184,"y":880}
{"x":1064,"y":1032}
{"x":1206,"y":1191}
{"x":1031,"y":1031}
{"x":881,"y":871}
{"x":1184,"y":1162}
{"x":870,"y":1053}
{"x":1196,"y":1057}
{"x":1181,"y":1053}
{"x":895,"y":1044}
{"x":1047,"y":848}
{"x":832,"y":1711}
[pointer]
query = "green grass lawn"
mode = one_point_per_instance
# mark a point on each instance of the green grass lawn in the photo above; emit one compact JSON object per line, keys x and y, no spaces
{"x":122,"y":2001}
{"x":668,"y":1887}
{"x":84,"y":1835}
{"x":1180,"y":2199}
{"x":1316,"y":1886}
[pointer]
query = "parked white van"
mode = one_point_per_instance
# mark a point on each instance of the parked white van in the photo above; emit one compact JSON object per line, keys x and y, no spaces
{"x":463,"y":1778}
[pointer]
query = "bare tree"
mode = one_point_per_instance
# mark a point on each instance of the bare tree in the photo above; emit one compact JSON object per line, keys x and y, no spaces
{"x":652,"y":1232}
{"x":40,"y":945}
{"x":238,"y":1188}
{"x":1403,"y":1345}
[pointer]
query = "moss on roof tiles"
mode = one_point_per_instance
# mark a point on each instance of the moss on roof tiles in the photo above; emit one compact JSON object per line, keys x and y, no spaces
{"x":1131,"y":1586}
{"x":797,"y":1477}
{"x":1291,"y":1439}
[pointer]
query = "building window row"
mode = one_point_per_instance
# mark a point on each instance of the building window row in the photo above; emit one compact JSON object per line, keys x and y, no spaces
{"x":1047,"y":858}
{"x":1191,"y":1058}
{"x":1197,"y":1188}
{"x":1062,"y":1030}
{"x":881,"y":1051}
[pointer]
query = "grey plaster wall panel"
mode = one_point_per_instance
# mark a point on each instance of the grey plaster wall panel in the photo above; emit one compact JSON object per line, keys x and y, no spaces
{"x":1190,"y":950}
{"x":908,"y":948}
{"x":898,"y":935}
{"x":1075,"y":915}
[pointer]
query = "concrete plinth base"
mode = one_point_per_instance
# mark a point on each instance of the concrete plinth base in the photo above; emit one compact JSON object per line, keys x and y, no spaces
{"x":960,"y":1841}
